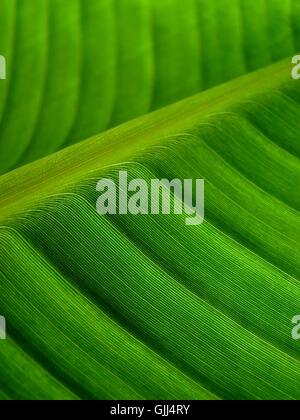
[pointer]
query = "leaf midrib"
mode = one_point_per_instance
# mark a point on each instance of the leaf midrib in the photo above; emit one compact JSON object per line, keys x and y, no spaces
{"x":64,"y":169}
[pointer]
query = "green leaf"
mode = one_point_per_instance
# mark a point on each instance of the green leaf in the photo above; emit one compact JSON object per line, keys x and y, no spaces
{"x":144,"y":307}
{"x":77,"y":67}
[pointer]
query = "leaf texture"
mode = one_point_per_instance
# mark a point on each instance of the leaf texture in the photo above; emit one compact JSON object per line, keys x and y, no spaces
{"x":143,"y":307}
{"x":78,"y":67}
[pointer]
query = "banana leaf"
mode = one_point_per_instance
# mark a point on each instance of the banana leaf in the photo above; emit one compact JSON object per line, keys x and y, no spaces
{"x":143,"y":306}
